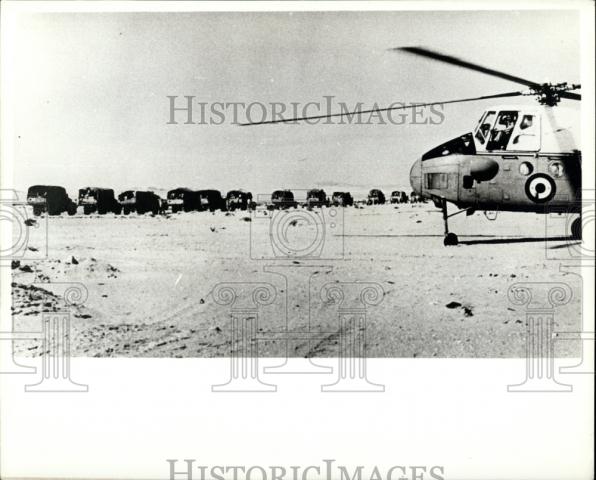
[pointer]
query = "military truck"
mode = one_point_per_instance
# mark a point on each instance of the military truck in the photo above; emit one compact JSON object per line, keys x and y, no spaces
{"x":182,"y":199}
{"x":398,"y":196}
{"x":140,"y":202}
{"x":316,"y":198}
{"x":210,"y":200}
{"x":100,"y":200}
{"x":416,"y":198}
{"x":281,"y":199}
{"x":51,"y":199}
{"x":375,"y":197}
{"x":238,"y":199}
{"x":342,"y":199}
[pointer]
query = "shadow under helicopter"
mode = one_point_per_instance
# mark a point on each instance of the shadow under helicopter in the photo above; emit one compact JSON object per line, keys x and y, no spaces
{"x":505,"y":240}
{"x":490,"y":239}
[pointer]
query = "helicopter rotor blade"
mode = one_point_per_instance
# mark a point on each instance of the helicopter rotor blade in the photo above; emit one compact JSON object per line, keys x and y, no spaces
{"x":424,"y":52}
{"x":570,"y":95}
{"x":373,"y":110}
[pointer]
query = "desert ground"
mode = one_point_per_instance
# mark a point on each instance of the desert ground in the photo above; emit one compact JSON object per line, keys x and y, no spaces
{"x":150,"y":281}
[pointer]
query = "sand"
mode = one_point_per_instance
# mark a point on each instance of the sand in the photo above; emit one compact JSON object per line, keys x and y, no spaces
{"x":150,"y":282}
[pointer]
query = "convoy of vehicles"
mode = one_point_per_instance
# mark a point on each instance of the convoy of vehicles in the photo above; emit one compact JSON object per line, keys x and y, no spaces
{"x":54,"y":200}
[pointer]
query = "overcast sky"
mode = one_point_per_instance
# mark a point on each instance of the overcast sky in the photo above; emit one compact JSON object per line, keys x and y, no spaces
{"x":92,"y":106}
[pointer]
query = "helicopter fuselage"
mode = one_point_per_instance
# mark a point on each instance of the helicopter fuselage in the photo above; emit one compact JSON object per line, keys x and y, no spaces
{"x":499,"y":181}
{"x":521,"y":159}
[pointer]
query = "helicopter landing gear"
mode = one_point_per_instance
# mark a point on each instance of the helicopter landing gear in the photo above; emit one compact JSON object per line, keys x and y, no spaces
{"x":450,"y":240}
{"x":450,"y":237}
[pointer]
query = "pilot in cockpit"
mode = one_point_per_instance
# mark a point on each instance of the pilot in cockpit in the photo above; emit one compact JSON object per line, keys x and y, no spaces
{"x":501,"y":134}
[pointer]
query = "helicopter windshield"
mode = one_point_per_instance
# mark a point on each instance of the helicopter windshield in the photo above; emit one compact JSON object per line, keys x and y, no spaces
{"x":511,"y":130}
{"x":502,"y":131}
{"x":484,"y":126}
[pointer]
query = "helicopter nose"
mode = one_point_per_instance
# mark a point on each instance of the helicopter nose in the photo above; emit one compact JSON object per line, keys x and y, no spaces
{"x":416,"y":177}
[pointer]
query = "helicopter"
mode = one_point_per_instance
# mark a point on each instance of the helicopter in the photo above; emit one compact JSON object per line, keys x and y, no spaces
{"x":518,"y":158}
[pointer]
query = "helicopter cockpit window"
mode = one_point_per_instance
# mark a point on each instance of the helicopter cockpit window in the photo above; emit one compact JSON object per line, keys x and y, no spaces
{"x":484,"y":127}
{"x":526,"y":136}
{"x":502,"y":131}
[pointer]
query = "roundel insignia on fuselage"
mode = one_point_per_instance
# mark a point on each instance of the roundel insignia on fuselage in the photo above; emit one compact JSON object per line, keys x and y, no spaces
{"x":540,"y":188}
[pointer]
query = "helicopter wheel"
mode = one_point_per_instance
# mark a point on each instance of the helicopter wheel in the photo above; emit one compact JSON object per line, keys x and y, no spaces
{"x":450,"y":240}
{"x":576,"y":229}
